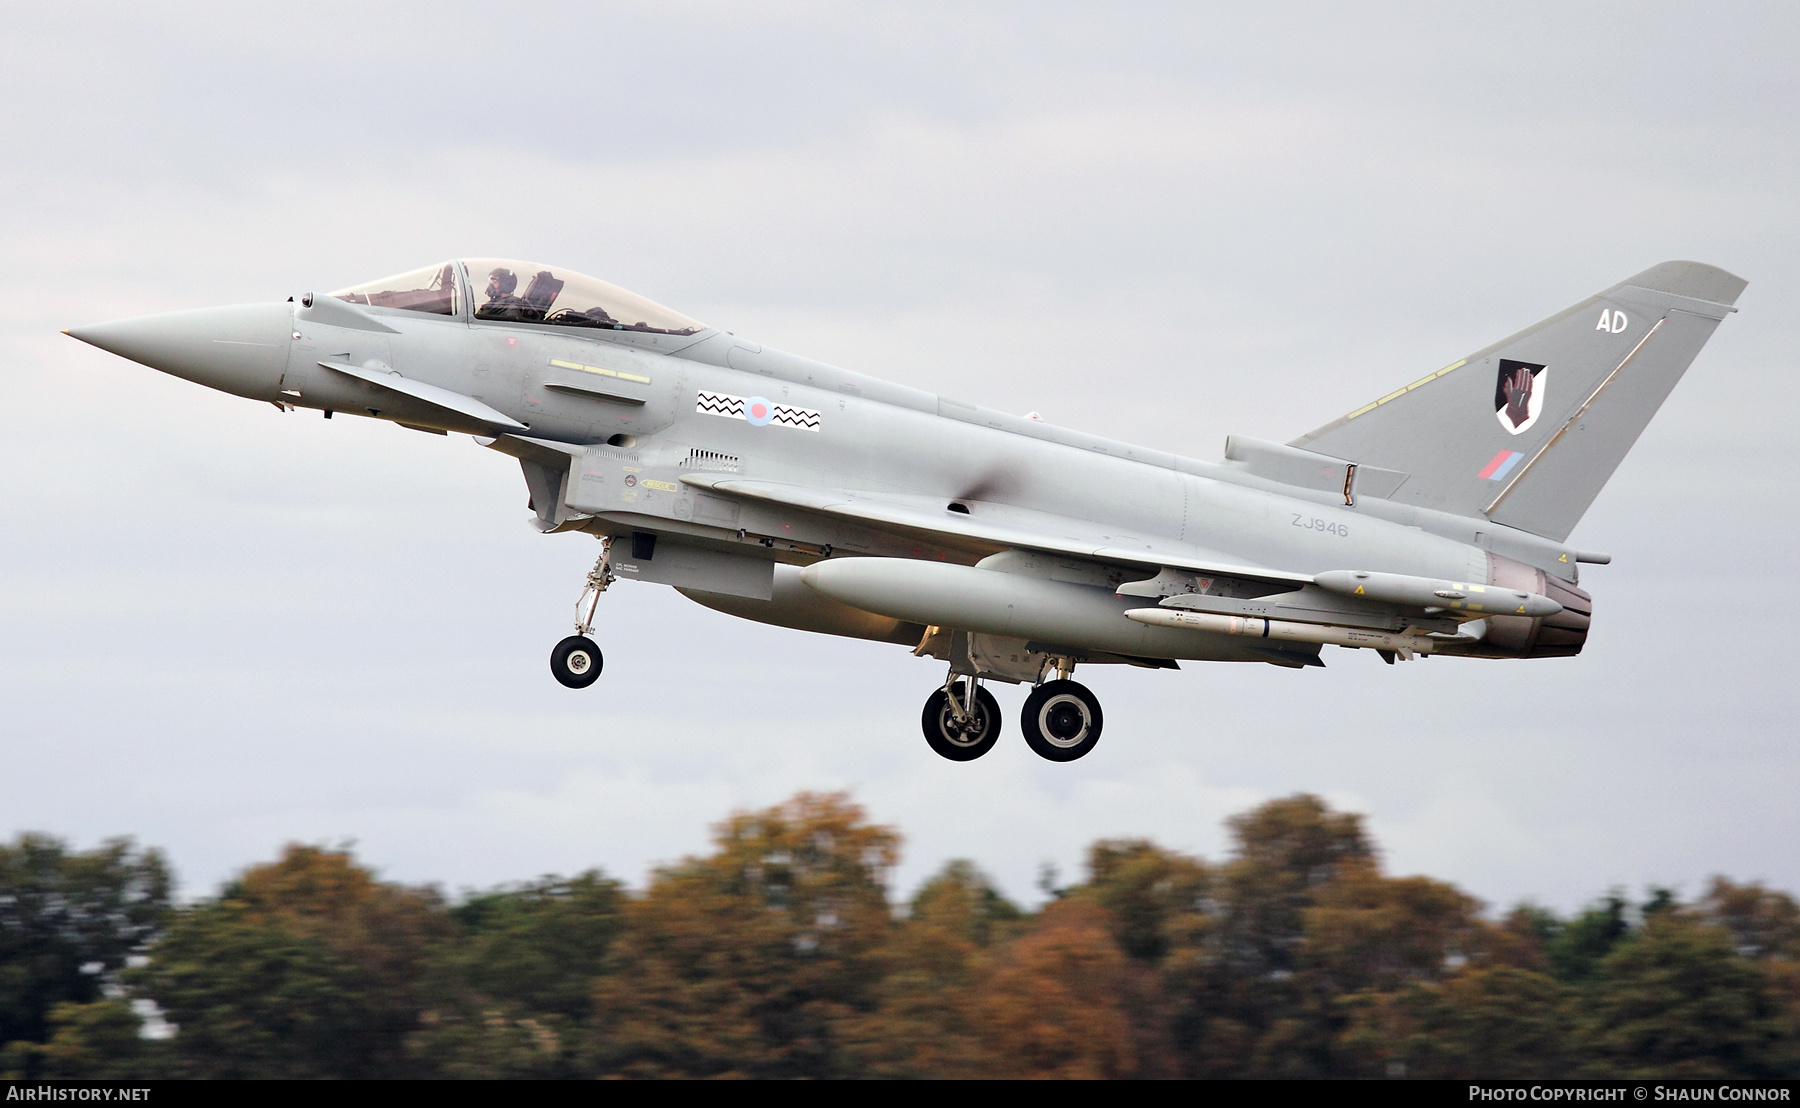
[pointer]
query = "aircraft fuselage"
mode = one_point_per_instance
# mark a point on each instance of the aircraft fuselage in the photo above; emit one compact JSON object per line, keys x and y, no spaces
{"x":797,"y":493}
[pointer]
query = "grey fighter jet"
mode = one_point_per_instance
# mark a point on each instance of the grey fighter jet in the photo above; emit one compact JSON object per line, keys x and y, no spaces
{"x":1432,"y":520}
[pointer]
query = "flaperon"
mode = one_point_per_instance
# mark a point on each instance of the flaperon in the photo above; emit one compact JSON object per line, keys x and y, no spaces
{"x":1433,"y":520}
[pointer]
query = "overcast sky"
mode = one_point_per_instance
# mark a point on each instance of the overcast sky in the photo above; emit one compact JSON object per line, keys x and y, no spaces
{"x":223,"y":628}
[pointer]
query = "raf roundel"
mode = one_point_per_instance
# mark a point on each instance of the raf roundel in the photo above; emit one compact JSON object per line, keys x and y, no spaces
{"x":758,"y":412}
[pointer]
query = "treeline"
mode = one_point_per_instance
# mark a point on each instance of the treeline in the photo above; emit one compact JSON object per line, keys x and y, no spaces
{"x":780,"y":955}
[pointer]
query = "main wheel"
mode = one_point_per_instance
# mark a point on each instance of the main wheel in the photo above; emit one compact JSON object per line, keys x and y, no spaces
{"x":576,"y":662}
{"x":961,"y":740}
{"x":1061,"y":720}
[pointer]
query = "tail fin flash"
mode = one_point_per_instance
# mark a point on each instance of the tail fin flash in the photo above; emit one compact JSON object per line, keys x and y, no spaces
{"x":1526,"y":431}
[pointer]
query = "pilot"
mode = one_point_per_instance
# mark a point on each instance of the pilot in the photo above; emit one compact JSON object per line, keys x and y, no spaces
{"x":501,"y":283}
{"x":500,"y":302}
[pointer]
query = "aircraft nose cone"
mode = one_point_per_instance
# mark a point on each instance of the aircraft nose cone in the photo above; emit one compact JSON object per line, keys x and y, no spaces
{"x":242,"y":349}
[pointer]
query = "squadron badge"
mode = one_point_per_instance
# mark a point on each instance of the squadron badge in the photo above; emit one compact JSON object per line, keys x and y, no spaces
{"x":1519,"y":394}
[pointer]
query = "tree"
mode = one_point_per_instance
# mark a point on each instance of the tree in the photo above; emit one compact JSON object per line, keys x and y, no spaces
{"x":1523,"y":938}
{"x":964,"y":902}
{"x":1678,"y":1001}
{"x":1577,"y":948}
{"x":759,"y":959}
{"x":1368,"y":932}
{"x":1286,"y":852}
{"x":924,"y":1021}
{"x":1060,"y":1002}
{"x":307,"y":967}
{"x":100,"y":1041}
{"x":778,"y":954}
{"x":540,"y":943}
{"x":512,"y":989}
{"x":1246,"y":1007}
{"x":1156,"y":899}
{"x":1494,"y":1022}
{"x":1765,"y":927}
{"x":68,"y":922}
{"x":1762,"y":924}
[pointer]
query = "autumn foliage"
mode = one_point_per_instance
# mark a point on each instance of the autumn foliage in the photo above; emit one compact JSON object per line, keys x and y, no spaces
{"x":781,"y":954}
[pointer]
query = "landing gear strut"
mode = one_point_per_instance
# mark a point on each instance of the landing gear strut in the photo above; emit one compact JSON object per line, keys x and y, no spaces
{"x":576,"y":661}
{"x":961,"y":720}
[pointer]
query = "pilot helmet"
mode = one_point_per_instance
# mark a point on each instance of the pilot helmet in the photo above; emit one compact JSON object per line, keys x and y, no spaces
{"x":503,"y":281}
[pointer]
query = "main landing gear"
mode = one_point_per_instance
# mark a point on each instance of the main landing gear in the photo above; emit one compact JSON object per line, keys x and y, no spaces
{"x":576,"y":661}
{"x":1061,"y":720}
{"x":963,"y":723}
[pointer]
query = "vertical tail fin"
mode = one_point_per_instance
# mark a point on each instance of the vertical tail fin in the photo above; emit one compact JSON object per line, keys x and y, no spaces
{"x":1526,"y":431}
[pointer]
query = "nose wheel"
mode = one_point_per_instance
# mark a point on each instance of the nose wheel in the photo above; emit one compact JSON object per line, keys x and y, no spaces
{"x":961,"y":720}
{"x":1061,"y":720}
{"x":576,"y":662}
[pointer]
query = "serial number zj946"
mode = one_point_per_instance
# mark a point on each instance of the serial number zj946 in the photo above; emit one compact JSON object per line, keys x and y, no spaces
{"x":1341,"y":530}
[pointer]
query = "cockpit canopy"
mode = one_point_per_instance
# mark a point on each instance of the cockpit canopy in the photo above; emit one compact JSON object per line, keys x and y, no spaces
{"x":430,"y":290}
{"x":520,"y":292}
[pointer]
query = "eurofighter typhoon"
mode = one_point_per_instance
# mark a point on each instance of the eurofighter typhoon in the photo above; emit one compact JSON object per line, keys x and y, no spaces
{"x":1433,"y":520}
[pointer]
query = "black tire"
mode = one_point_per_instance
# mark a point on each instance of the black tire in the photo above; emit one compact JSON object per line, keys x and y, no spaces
{"x":576,"y":662}
{"x":955,"y":740}
{"x":1061,"y":721}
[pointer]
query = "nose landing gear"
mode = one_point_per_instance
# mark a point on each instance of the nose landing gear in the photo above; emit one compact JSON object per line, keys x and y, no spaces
{"x":961,"y":724}
{"x":576,"y":662}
